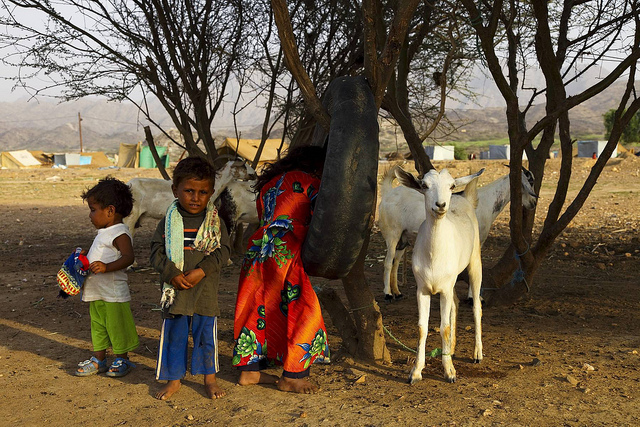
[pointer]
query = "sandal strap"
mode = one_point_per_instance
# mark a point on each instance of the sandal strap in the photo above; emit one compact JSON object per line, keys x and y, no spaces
{"x":92,"y":360}
{"x":120,"y":361}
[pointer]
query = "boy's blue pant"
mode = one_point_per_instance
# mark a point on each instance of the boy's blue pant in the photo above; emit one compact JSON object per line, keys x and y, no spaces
{"x":174,"y":344}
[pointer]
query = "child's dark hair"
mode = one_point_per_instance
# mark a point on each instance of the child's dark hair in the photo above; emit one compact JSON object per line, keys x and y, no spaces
{"x":308,"y":159}
{"x":193,"y":167}
{"x":111,"y":191}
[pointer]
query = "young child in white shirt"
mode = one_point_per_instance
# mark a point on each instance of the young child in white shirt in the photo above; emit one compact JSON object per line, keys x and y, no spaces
{"x":106,"y":287}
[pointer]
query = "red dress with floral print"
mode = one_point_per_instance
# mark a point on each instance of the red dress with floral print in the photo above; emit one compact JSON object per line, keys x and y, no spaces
{"x":277,"y":314}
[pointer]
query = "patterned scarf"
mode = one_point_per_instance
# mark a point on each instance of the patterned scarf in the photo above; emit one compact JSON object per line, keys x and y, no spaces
{"x":207,"y":240}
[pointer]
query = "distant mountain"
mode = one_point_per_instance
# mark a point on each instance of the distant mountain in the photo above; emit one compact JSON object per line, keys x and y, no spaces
{"x":487,"y":94}
{"x":490,"y":123}
{"x":53,"y":127}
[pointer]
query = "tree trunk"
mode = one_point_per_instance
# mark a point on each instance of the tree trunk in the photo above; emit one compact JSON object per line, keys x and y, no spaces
{"x":340,"y":317}
{"x":366,"y":312}
{"x":293,"y":63}
{"x":421,"y":159}
{"x":304,"y":133}
{"x":154,"y":153}
{"x":506,"y":281}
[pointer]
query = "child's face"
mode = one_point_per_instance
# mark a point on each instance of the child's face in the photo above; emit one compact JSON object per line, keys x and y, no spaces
{"x":101,"y":217}
{"x":193,"y":194}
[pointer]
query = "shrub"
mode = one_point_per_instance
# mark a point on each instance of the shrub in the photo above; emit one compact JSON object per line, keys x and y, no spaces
{"x":459,"y":152}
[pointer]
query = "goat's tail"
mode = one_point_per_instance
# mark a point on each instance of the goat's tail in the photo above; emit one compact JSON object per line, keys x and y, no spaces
{"x":387,"y":181}
{"x":471,"y":192}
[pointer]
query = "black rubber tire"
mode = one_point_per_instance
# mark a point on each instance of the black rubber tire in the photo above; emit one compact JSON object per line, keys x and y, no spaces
{"x":347,"y":194}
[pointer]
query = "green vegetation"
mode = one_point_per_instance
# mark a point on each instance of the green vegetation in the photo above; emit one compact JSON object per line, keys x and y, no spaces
{"x":478,"y":145}
{"x":631,"y":132}
{"x":459,"y":152}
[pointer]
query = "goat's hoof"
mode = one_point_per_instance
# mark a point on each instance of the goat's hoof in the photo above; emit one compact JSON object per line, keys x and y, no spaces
{"x":477,"y":360}
{"x":451,"y":380}
{"x":388,"y":298}
{"x":414,"y":376}
{"x":413,"y":380}
{"x":399,"y":296}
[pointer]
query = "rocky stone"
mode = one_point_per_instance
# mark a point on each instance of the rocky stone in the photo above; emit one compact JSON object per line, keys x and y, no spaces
{"x":572,"y":380}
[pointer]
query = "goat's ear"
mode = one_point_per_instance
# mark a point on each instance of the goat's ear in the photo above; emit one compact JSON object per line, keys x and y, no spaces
{"x":529,"y":177}
{"x":406,"y":179}
{"x":462,"y":182}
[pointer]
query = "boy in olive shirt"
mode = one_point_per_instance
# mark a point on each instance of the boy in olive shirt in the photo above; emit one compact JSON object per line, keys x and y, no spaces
{"x":188,"y":248}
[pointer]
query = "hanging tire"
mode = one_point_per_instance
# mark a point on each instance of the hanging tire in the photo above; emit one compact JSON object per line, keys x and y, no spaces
{"x":347,"y":193}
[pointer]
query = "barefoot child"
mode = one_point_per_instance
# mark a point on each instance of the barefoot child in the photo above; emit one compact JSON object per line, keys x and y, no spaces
{"x":106,"y":289}
{"x":188,"y":248}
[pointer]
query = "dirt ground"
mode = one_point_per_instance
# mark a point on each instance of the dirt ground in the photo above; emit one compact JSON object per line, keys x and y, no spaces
{"x":566,"y":355}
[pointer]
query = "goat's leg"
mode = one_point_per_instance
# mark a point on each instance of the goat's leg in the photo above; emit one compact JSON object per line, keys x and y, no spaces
{"x":394,"y":273}
{"x":388,"y":268}
{"x":424,"y":306}
{"x":130,"y":221}
{"x":454,"y":322}
{"x":464,"y":278}
{"x":447,"y":334}
{"x":237,"y":238}
{"x":475,"y":281}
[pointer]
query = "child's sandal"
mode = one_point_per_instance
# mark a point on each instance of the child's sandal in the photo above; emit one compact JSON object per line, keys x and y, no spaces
{"x":88,"y":367}
{"x":120,"y":367}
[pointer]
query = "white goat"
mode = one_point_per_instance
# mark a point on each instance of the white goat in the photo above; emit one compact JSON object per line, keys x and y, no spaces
{"x":153,"y":196}
{"x":401,"y":212}
{"x":239,"y":200}
{"x":447,"y":243}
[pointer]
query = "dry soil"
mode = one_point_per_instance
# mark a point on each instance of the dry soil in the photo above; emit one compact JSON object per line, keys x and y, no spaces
{"x":565,"y":355}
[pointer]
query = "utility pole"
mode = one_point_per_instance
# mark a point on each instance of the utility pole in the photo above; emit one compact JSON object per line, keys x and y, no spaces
{"x":80,"y":130}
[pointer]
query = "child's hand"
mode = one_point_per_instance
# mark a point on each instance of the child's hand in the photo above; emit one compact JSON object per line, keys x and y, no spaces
{"x":195,"y":276}
{"x":181,"y":282}
{"x":97,"y":267}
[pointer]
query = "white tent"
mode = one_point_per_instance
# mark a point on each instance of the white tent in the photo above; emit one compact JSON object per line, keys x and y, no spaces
{"x":19,"y":159}
{"x":440,"y":152}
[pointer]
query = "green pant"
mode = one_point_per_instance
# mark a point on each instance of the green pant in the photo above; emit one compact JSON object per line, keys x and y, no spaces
{"x":112,"y":326}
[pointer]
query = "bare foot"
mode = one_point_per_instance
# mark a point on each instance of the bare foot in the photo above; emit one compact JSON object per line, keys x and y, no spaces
{"x":256,"y":377}
{"x":212,"y":388}
{"x":296,"y":385}
{"x":168,"y":389}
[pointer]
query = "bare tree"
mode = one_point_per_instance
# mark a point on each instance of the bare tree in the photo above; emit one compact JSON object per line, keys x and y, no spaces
{"x":516,"y":37}
{"x":381,"y":53}
{"x":434,"y":61}
{"x":184,"y":53}
{"x":328,"y":37}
